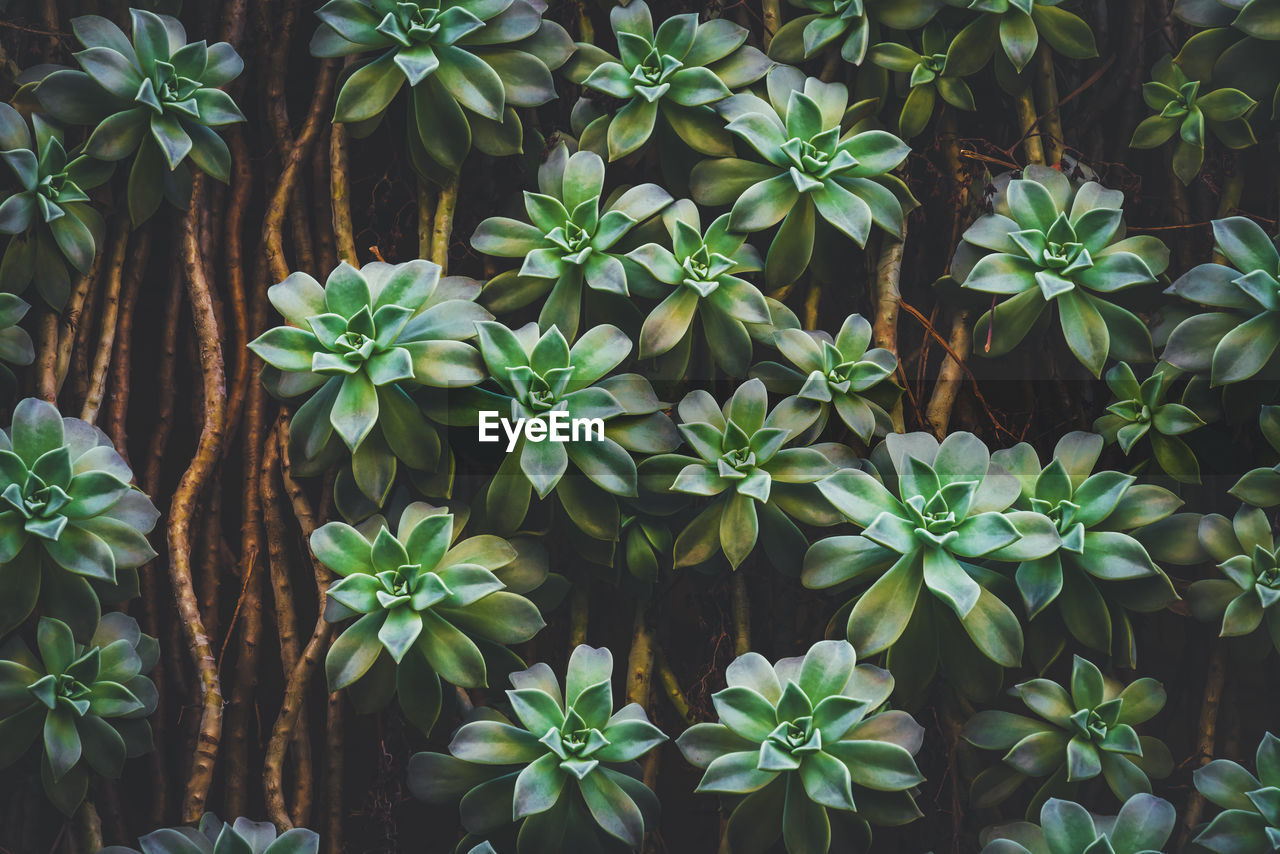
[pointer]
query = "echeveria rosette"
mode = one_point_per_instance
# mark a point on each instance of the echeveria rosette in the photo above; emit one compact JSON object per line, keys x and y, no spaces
{"x":1078,"y":735}
{"x":805,"y":750}
{"x":359,"y":347}
{"x":562,"y":768}
{"x":941,"y":509}
{"x":214,"y":836}
{"x":1237,"y":49}
{"x":1237,"y":340}
{"x":1143,"y":826}
{"x":16,"y":346}
{"x":156,"y":98}
{"x":531,"y":376}
{"x":756,"y":484}
{"x":1245,"y":551}
{"x":570,"y":239}
{"x":1049,"y":243}
{"x":1142,"y":410}
{"x":427,"y":608}
{"x":845,"y":26}
{"x":812,"y":167}
{"x":673,"y":73}
{"x":72,"y":529}
{"x":1182,"y":110}
{"x":1250,"y":819}
{"x":1016,"y":28}
{"x":1261,"y":486}
{"x":86,"y":704}
{"x":840,"y":374}
{"x":469,"y":65}
{"x":45,"y":207}
{"x":926,"y":76}
{"x":1100,"y":572}
{"x":703,"y":272}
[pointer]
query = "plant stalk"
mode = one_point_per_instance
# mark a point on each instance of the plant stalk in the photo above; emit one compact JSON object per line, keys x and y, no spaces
{"x":740,"y":605}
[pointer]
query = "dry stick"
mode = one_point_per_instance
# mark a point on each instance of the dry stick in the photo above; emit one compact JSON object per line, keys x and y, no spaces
{"x":740,"y":605}
{"x":1206,"y":740}
{"x":426,"y":217}
{"x":886,"y":295}
{"x":671,"y":687}
{"x":88,"y":829}
{"x":340,"y":195}
{"x":812,"y":300}
{"x":81,"y":347}
{"x":71,"y":318}
{"x":122,"y":360}
{"x":183,"y":509}
{"x":640,"y":659}
{"x":47,"y":356}
{"x":326,"y":248}
{"x":950,"y":376}
{"x":334,"y":739}
{"x":1032,"y":140}
{"x":1047,"y":98}
{"x":442,"y":223}
{"x":233,"y":252}
{"x":107,"y":323}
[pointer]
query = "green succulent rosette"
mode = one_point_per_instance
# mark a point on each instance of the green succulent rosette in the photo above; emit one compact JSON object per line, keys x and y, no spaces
{"x":1237,"y":49}
{"x":931,"y":514}
{"x":805,"y":163}
{"x":846,"y":26}
{"x":214,"y":836}
{"x":426,"y":608}
{"x":1185,"y":112}
{"x":756,"y":484}
{"x":1250,"y":820}
{"x":699,"y":277}
{"x":570,"y":239}
{"x":1051,"y":244}
{"x":16,"y":346}
{"x":805,"y":750}
{"x":1079,"y":734}
{"x":1142,"y":410}
{"x":672,"y":74}
{"x":156,"y":99}
{"x":73,"y":531}
{"x":469,"y":65}
{"x":1245,"y":552}
{"x":926,"y":78}
{"x":1261,"y":486}
{"x":838,"y":374}
{"x":1016,"y":28}
{"x":1236,"y":341}
{"x":45,"y":208}
{"x":86,"y":703}
{"x":1143,"y":826}
{"x":605,"y":416}
{"x":359,"y":347}
{"x":1101,"y":572}
{"x":562,"y":769}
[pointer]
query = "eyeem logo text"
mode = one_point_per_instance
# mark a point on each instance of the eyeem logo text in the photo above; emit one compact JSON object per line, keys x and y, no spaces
{"x":557,"y":426}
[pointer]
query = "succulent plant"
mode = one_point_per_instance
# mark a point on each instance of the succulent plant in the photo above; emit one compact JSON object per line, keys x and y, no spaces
{"x":927,"y":78}
{"x":72,"y":529}
{"x":1142,"y":410}
{"x":359,"y":346}
{"x":427,"y":608}
{"x":805,"y":750}
{"x":16,"y":346}
{"x":469,"y":65}
{"x":1237,"y":340}
{"x":570,"y":239}
{"x":811,"y":163}
{"x":1249,"y":822}
{"x":564,"y":769}
{"x":90,"y":701}
{"x":1184,"y":111}
{"x":755,"y":482}
{"x":45,"y":208}
{"x":846,"y":26}
{"x":1077,"y":736}
{"x":1016,"y":27}
{"x":214,"y":836}
{"x":157,"y":99}
{"x":839,"y":374}
{"x":701,"y":270}
{"x":1261,"y":486}
{"x":1237,"y":50}
{"x":928,"y":513}
{"x":675,"y":73}
{"x":1245,"y":551}
{"x":1050,"y":242}
{"x":1100,"y":572}
{"x":1143,"y":826}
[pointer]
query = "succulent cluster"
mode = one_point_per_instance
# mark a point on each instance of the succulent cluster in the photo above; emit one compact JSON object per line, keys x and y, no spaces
{"x":214,"y":836}
{"x":1143,"y":826}
{"x":1249,"y":821}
